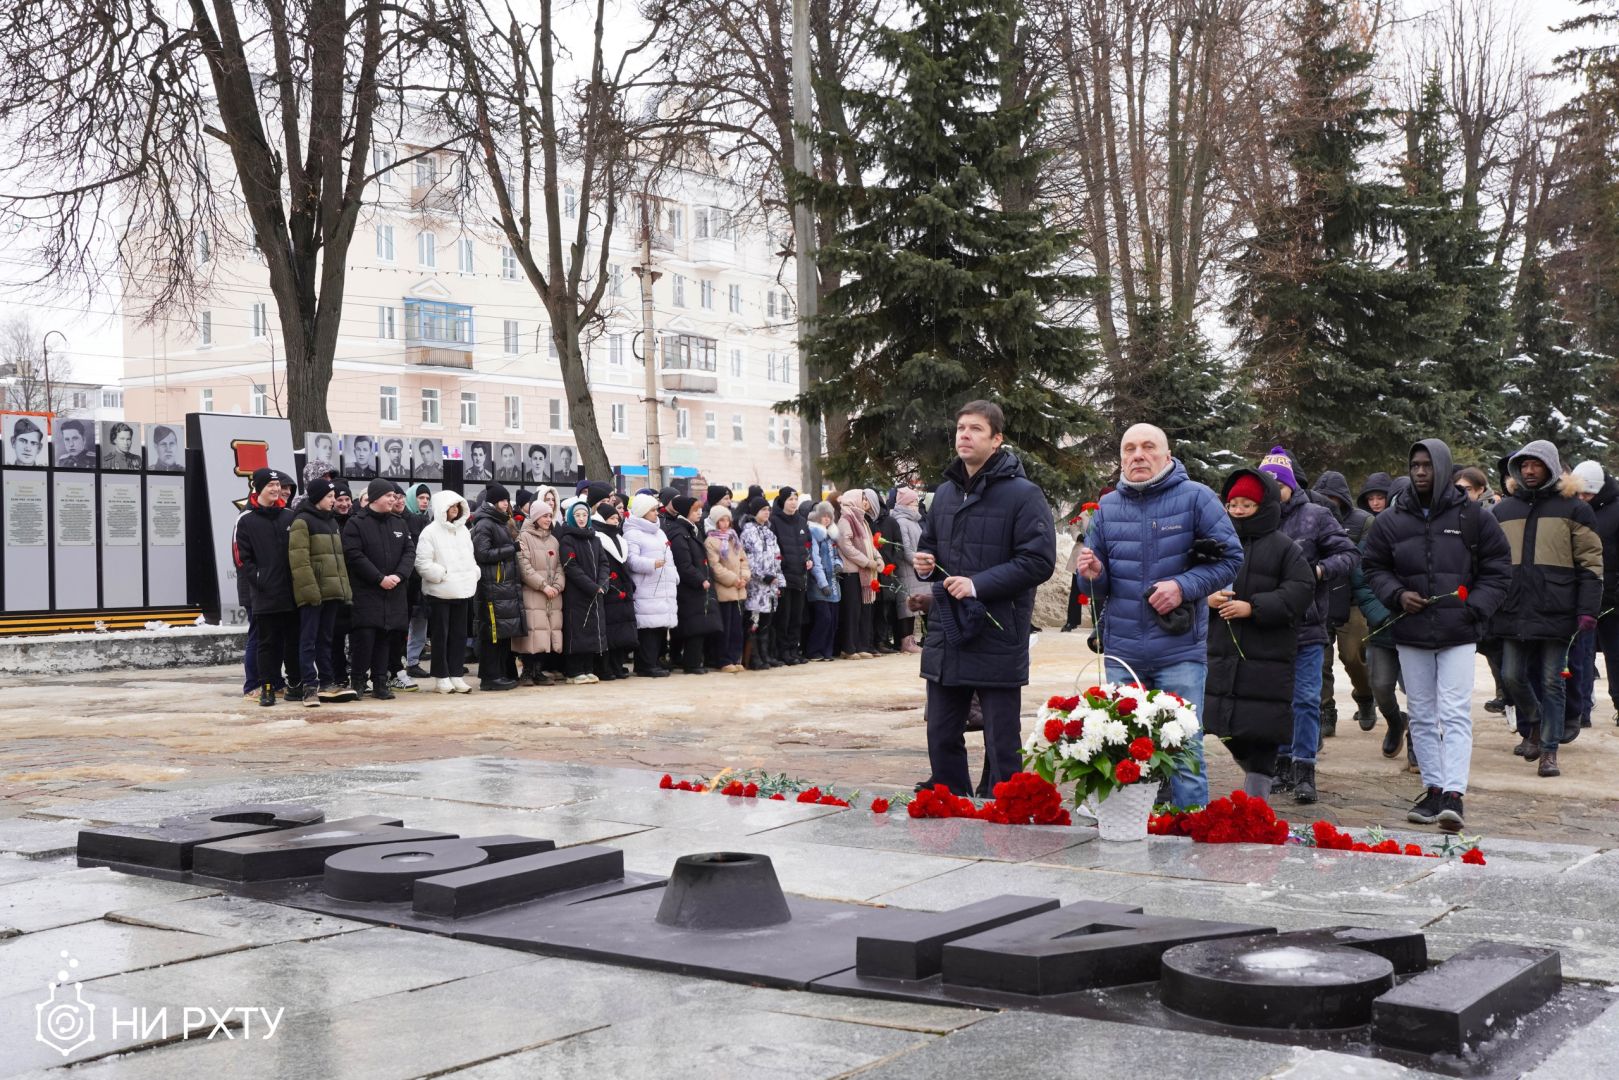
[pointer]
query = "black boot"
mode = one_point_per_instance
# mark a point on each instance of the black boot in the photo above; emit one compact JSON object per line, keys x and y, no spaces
{"x":1366,"y":714}
{"x":1329,"y":720}
{"x":1585,"y":718}
{"x":1284,"y":773}
{"x":1394,"y":736}
{"x":1304,"y":782}
{"x":772,"y":645}
{"x":266,"y":695}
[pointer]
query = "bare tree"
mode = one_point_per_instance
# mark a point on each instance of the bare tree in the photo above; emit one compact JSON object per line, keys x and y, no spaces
{"x":33,"y":380}
{"x":112,"y":108}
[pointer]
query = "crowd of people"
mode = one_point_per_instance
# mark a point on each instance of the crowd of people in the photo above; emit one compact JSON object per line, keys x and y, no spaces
{"x":349,"y":596}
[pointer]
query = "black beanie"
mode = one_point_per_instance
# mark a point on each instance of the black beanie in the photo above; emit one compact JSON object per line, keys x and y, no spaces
{"x":261,"y":479}
{"x":524,"y":496}
{"x":668,"y":495}
{"x":378,"y":488}
{"x":752,"y":507}
{"x":493,"y":493}
{"x":598,"y":491}
{"x":683,"y":503}
{"x":716,"y":495}
{"x":319,"y":488}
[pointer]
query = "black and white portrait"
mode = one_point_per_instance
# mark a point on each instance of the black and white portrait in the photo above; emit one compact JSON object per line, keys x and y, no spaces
{"x":428,"y":461}
{"x":165,"y":448}
{"x":563,"y":468}
{"x":475,"y":463}
{"x":537,"y":463}
{"x":508,"y":466}
{"x":25,"y":440}
{"x":321,"y":447}
{"x":75,"y":444}
{"x":120,"y":446}
{"x":395,"y":458}
{"x":360,"y":457}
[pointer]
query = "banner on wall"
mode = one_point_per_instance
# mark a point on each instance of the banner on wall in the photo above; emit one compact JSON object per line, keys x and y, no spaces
{"x":227,"y":448}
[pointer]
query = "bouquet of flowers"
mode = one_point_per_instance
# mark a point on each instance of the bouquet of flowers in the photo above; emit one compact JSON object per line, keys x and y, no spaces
{"x":1110,"y":737}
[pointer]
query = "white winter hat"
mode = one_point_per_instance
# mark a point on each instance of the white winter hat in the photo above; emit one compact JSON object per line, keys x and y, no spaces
{"x":640,"y":504}
{"x":1590,"y":475}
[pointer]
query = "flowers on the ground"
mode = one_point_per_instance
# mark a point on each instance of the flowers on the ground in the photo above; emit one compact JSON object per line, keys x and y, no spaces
{"x":813,"y":795}
{"x":1238,"y":819}
{"x":1111,"y":736}
{"x":879,"y":806}
{"x":1025,"y":799}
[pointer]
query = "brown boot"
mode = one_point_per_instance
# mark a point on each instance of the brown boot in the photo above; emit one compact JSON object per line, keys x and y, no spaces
{"x":1531,"y":750}
{"x":1548,"y":764}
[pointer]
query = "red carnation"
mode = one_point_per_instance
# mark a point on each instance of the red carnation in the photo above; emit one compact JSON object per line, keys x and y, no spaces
{"x":613,"y":576}
{"x":1091,"y":506}
{"x":1474,"y":857}
{"x":1082,"y":599}
{"x":1054,"y":702}
{"x":1462,"y":592}
{"x":879,"y":806}
{"x":667,"y":782}
{"x":621,"y":596}
{"x":810,"y":796}
{"x":1126,"y":706}
{"x":1069,"y":704}
{"x":1074,"y":728}
{"x":1413,"y":849}
{"x":779,"y":797}
{"x":1127,"y":772}
{"x":1566,"y":673}
{"x":1095,"y":691}
{"x":889,"y":569}
{"x":550,"y":553}
{"x":751,"y":791}
{"x":876,"y":586}
{"x":1142,"y":749}
{"x":876,"y":538}
{"x":1053,"y":730}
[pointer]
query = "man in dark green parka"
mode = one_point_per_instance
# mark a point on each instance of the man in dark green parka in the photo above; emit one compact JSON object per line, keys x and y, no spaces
{"x":320,"y":585}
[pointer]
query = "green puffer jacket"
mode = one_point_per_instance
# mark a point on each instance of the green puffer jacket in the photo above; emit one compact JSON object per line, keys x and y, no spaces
{"x":315,"y":550}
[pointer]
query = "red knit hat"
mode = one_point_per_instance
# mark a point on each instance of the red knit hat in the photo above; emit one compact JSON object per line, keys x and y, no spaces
{"x":1247,"y":487}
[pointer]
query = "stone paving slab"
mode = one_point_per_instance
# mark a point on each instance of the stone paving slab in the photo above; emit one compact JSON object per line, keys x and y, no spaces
{"x":564,"y":826}
{"x":19,"y":1024}
{"x":1265,"y":864}
{"x":956,"y":837}
{"x":1331,"y":1065}
{"x":14,"y":867}
{"x":33,"y":838}
{"x":79,"y":895}
{"x":237,"y":919}
{"x":153,"y":806}
{"x":1587,"y":1054}
{"x":103,"y":949}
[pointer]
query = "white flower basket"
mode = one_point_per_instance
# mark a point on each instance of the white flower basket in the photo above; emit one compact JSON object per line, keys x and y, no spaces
{"x":1123,"y":814}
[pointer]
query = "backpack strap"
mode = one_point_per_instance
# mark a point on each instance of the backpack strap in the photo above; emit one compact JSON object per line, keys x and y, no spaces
{"x":1469,"y":530}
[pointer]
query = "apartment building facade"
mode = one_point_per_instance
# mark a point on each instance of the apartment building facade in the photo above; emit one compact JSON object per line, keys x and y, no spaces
{"x":442,"y":335}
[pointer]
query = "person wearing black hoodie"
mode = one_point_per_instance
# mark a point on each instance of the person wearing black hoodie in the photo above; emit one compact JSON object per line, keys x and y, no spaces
{"x":1346,"y":629}
{"x":793,"y":537}
{"x":497,"y":609}
{"x":622,"y":639}
{"x":380,"y":556}
{"x":1432,"y":542}
{"x":1248,"y":695}
{"x":698,"y":610}
{"x":262,"y":561}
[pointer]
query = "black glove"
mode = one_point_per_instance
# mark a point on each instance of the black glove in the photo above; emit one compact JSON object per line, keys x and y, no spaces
{"x":1205,"y":551}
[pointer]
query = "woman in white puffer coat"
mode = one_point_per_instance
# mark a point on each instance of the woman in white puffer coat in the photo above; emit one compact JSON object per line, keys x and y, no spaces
{"x":449,"y":581}
{"x":652,"y":566}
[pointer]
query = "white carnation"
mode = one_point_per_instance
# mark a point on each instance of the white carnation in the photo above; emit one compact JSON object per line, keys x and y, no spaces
{"x":1187,"y":718}
{"x":1088,"y":746}
{"x":1035,"y":744}
{"x":1115,"y":731}
{"x":1171,"y":734}
{"x":1095,"y":718}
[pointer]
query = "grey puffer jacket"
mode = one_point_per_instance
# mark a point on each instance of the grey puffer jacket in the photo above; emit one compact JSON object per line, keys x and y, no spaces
{"x":909,"y":523}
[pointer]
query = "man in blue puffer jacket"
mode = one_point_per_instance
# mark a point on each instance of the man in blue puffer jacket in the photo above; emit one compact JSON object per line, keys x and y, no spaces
{"x":1140,"y":567}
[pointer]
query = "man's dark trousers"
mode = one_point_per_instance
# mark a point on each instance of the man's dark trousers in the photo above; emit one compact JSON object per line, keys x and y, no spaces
{"x":947,"y":724}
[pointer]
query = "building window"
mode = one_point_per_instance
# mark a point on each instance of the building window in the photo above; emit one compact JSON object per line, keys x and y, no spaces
{"x":784,"y":367}
{"x":680,"y":290}
{"x":463,"y":255}
{"x":615,"y":350}
{"x":770,"y":303}
{"x":711,"y":426}
{"x":550,"y":339}
{"x":387,"y":328}
{"x":427,"y":249}
{"x":689,"y":352}
{"x":390,"y":405}
{"x":621,"y":422}
{"x":770,"y":366}
{"x":736,"y":427}
{"x":112,"y":399}
{"x":736,"y":299}
{"x":382,"y":163}
{"x":615,"y":279}
{"x":261,"y":321}
{"x":511,"y":336}
{"x":205,"y":327}
{"x":469,"y":409}
{"x":770,"y":430}
{"x":437,"y":323}
{"x":677,"y":223}
{"x":707,"y":291}
{"x":570,"y":202}
{"x":261,"y":400}
{"x":514,"y":412}
{"x":554,"y":408}
{"x":385,"y":243}
{"x":682,"y":423}
{"x":205,"y":249}
{"x":508,"y":264}
{"x":430,"y":413}
{"x":699,"y":222}
{"x":736,"y":363}
{"x":426,"y":171}
{"x":207,"y":399}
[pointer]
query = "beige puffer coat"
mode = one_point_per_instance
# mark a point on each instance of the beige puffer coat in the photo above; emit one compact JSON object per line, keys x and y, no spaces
{"x":730,"y":572}
{"x":539,"y":565}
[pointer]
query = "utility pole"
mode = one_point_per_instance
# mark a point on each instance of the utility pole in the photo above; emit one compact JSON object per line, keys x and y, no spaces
{"x":648,"y":276}
{"x":45,"y":360}
{"x":804,"y":227}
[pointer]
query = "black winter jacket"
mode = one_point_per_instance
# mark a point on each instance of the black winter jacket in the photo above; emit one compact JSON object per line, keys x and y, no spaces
{"x":1606,"y":508}
{"x":793,"y":537}
{"x":1426,"y":552}
{"x":261,"y":559}
{"x":584,"y":592}
{"x":1379,"y":482}
{"x":1356,"y":522}
{"x":497,"y":608}
{"x":620,"y":595}
{"x":697,"y":608}
{"x":1557,"y":560}
{"x":1248,"y":693}
{"x":1325,"y":544}
{"x":997,"y":529}
{"x":376,"y":546}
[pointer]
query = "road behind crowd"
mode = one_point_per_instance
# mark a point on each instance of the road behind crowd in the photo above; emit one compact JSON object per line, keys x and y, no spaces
{"x":66,"y":739}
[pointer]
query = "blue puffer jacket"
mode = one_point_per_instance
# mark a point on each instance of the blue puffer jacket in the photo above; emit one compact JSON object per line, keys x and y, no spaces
{"x":997,"y":529}
{"x":823,"y":576}
{"x":1325,"y":545}
{"x":1143,"y":537}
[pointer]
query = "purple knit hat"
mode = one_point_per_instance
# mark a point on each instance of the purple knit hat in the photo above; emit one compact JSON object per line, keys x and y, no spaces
{"x":1279,"y":463}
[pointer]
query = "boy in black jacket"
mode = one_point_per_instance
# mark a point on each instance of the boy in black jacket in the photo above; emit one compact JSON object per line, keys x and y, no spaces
{"x":261,"y":559}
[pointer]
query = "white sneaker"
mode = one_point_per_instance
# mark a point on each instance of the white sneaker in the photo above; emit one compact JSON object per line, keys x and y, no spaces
{"x":581,"y":679}
{"x":461,"y":686}
{"x":402,"y":681}
{"x":445,"y":686}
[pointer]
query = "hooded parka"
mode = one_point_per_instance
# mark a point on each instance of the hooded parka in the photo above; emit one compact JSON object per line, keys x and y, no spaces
{"x":655,"y":586}
{"x":1557,"y":569}
{"x":539,"y":564}
{"x":584,"y":600}
{"x":444,"y":556}
{"x":315,"y":553}
{"x":620,"y":594}
{"x":1356,"y":522}
{"x":497,"y":615}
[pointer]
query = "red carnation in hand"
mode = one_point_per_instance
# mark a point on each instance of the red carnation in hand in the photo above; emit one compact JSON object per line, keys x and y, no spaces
{"x":1053,"y":730}
{"x":889,"y":569}
{"x":1126,"y":706}
{"x":1462,"y":592}
{"x":876,"y":538}
{"x":879,"y":806}
{"x":1474,"y":857}
{"x":1127,"y":772}
{"x":613,"y":576}
{"x":1082,"y":599}
{"x":1074,"y":728}
{"x":621,"y":596}
{"x":1091,"y":506}
{"x":876,"y":586}
{"x":1142,"y":749}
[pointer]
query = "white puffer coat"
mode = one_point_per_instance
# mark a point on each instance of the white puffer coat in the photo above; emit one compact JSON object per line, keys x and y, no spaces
{"x":655,"y":603}
{"x":444,"y":552}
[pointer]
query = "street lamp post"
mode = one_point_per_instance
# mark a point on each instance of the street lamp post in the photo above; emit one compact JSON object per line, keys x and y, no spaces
{"x":804,"y":227}
{"x":45,"y":360}
{"x":648,"y":276}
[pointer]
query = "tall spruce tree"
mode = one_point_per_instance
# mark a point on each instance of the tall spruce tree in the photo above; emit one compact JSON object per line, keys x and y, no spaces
{"x":1340,"y":340}
{"x":1555,"y":389}
{"x":952,"y":283}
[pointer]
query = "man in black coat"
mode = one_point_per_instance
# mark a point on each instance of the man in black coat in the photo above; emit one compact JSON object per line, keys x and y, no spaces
{"x":380,"y":555}
{"x":1604,"y":503}
{"x":498,"y":608}
{"x":1346,"y":627}
{"x":262,"y":563}
{"x":987,"y":544}
{"x":793,"y":537}
{"x":1430,"y":543}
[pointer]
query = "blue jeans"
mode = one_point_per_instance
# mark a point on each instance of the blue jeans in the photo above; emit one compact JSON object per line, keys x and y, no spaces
{"x":1307,"y":702}
{"x":1518,"y":661}
{"x":1582,"y":661}
{"x":1190,"y":785}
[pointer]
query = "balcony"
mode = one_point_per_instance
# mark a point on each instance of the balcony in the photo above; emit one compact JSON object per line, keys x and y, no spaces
{"x":714,"y":251}
{"x":438,"y":334}
{"x":427,"y":356}
{"x":690,"y":382}
{"x":439,"y":196}
{"x":689,"y":363}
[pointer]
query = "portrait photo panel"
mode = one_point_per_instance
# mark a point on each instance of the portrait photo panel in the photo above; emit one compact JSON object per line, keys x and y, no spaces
{"x":537,"y":463}
{"x":427,"y":460}
{"x":394,"y":457}
{"x":120,"y":443}
{"x":564,"y":464}
{"x":24,"y":437}
{"x":75,"y":443}
{"x":321,"y":446}
{"x":476,"y":462}
{"x":508,"y":462}
{"x":360,"y":457}
{"x":165,"y":447}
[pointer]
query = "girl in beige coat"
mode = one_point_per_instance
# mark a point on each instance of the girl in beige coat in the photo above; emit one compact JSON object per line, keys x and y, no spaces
{"x":860,"y":565}
{"x":540,"y":567}
{"x":730,"y":565}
